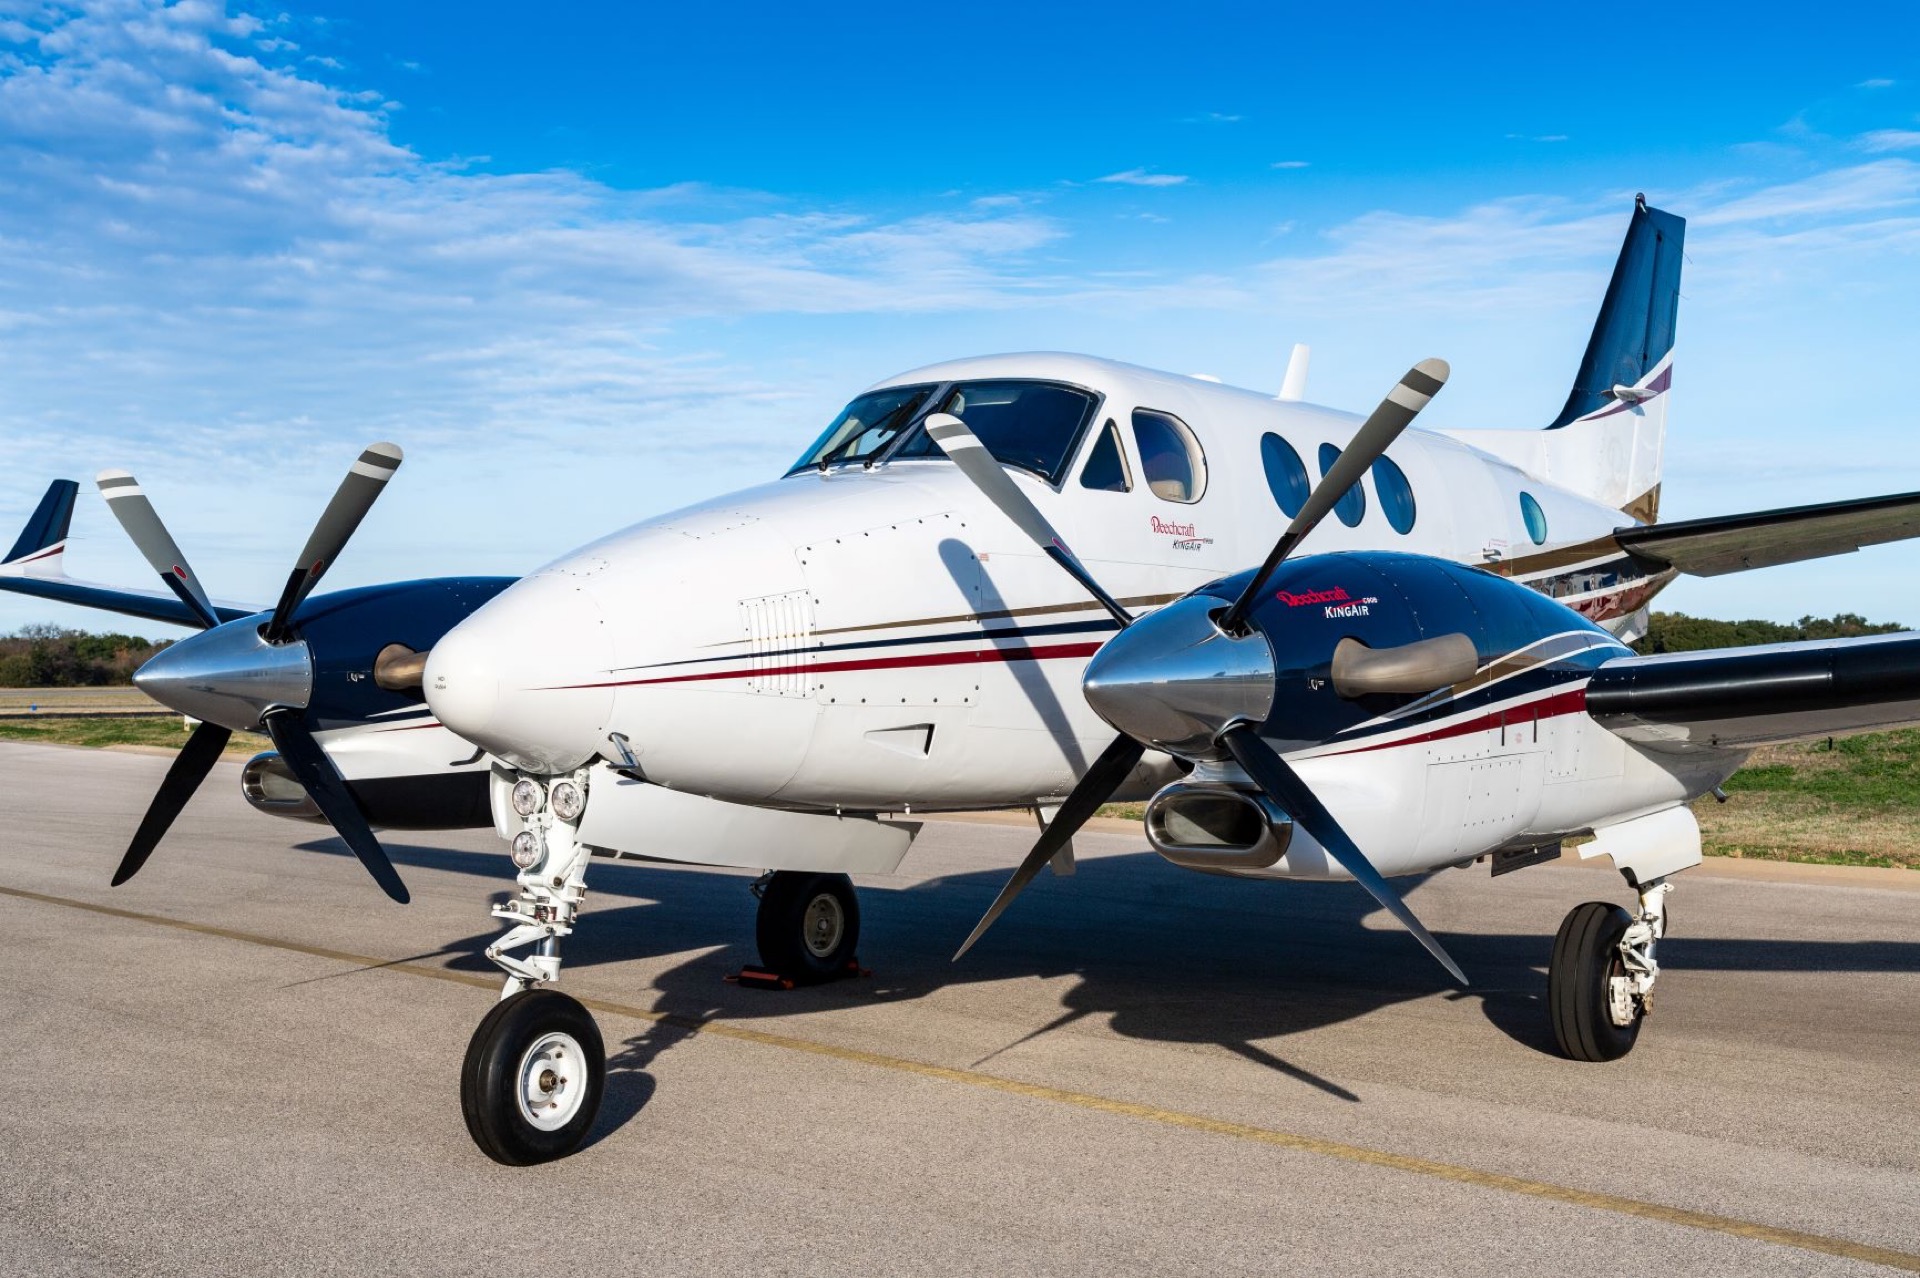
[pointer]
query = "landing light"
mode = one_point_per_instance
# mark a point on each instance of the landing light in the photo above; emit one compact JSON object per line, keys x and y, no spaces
{"x":567,"y":800}
{"x":526,"y":797}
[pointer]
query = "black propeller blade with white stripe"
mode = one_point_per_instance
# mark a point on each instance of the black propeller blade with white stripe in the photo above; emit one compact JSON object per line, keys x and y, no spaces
{"x":190,"y":768}
{"x":136,"y":514}
{"x":1094,"y":789}
{"x":1284,"y":786}
{"x":366,"y":480}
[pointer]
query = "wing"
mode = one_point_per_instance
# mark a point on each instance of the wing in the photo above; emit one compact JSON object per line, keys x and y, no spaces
{"x":1761,"y":539}
{"x":36,"y":566}
{"x":1733,"y":698}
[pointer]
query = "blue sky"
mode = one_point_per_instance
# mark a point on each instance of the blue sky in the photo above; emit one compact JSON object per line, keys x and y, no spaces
{"x":589,"y":262}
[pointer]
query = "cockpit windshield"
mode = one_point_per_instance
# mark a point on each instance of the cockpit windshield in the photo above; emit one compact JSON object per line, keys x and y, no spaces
{"x":866,"y":426}
{"x":1032,"y":425}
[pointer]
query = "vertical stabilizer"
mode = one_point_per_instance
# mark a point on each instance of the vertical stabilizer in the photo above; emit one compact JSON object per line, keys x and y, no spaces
{"x":1609,"y":440}
{"x":40,"y":549}
{"x":1634,"y":333}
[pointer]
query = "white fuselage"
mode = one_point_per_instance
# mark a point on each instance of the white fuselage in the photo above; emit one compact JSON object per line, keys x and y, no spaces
{"x":884,"y":639}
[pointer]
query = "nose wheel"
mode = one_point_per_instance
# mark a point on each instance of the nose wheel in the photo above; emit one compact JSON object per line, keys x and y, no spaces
{"x":808,"y":925}
{"x":533,"y":1078}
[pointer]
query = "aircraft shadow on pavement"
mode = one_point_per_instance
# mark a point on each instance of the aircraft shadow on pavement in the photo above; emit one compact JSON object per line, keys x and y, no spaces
{"x":1160,"y":954}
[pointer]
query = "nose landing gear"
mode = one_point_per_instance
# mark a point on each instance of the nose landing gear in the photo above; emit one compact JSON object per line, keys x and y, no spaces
{"x":536,"y":1066}
{"x":1600,"y":980}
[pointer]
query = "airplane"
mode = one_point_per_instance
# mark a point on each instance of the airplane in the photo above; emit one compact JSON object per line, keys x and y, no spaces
{"x":771,"y":679}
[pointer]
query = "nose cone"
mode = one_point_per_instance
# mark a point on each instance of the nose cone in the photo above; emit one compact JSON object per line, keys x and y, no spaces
{"x":229,"y":675}
{"x":1173,"y":680}
{"x":525,"y":678}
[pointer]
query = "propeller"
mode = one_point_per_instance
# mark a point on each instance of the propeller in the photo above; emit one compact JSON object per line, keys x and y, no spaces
{"x":1283,"y":785}
{"x":976,"y":463}
{"x":1256,"y":758}
{"x":190,"y":768}
{"x":1396,"y":412}
{"x":130,"y":506}
{"x":247,"y":676}
{"x":1101,"y":780}
{"x":366,"y":480}
{"x":329,"y":790}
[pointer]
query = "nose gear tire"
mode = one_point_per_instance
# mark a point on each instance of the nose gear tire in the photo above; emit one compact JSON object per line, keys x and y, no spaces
{"x":532,"y":1081}
{"x":808,"y":926}
{"x":1586,"y":961}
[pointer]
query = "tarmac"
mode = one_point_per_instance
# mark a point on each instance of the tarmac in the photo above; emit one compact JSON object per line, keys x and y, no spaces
{"x":246,"y":1062}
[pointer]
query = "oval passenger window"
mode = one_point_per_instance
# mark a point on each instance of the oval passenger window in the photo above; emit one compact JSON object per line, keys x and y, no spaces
{"x":1396,"y":495}
{"x":1169,"y":456}
{"x":1536,"y":518}
{"x":1286,"y":474}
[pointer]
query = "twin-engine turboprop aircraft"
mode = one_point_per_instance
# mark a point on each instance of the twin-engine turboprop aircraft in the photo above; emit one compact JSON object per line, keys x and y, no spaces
{"x":888,"y":629}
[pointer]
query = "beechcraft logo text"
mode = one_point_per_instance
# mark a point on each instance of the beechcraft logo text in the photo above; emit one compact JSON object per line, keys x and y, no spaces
{"x":1336,"y":602}
{"x":1189,"y":540}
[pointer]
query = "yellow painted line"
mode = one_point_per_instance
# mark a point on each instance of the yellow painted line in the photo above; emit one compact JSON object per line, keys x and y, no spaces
{"x":1540,"y":1189}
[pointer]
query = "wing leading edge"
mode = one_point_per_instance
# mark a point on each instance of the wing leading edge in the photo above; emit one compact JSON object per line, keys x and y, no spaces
{"x":1763,"y":539}
{"x":1733,"y":698}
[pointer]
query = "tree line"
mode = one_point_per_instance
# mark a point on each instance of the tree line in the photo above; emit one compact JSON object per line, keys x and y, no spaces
{"x":1677,"y":632}
{"x":56,"y":657}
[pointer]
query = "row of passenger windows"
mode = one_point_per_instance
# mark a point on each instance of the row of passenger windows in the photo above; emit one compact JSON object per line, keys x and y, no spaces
{"x":1034,"y":425}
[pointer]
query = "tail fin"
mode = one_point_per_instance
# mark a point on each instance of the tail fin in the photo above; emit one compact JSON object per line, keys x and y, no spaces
{"x":1633,"y":336}
{"x":43,"y":541}
{"x":1608,"y":442}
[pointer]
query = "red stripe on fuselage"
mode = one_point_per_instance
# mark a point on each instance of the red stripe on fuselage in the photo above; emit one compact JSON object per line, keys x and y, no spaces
{"x":1574,"y":702}
{"x":1043,"y":653}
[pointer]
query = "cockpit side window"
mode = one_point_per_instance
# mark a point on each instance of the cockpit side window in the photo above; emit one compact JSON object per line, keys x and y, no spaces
{"x":1170,"y":456}
{"x":1032,"y":425}
{"x":1106,"y":467}
{"x":866,"y":426}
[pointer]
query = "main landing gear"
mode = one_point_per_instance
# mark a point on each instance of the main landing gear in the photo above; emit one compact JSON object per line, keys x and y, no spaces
{"x":1600,"y":980}
{"x":808,"y":925}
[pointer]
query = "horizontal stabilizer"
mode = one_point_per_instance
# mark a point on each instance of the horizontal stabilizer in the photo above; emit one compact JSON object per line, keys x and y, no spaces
{"x":1735,"y":543}
{"x":1739,"y":697}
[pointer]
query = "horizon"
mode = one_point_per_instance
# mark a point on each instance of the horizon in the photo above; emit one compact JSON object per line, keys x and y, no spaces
{"x":586,"y":275}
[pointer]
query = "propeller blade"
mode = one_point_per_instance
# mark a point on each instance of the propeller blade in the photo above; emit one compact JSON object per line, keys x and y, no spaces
{"x":977,"y":464}
{"x":190,"y":768}
{"x":1284,"y":786}
{"x":365,"y":481}
{"x":1101,"y":780}
{"x":1402,"y":404}
{"x":136,"y":514}
{"x":323,"y":781}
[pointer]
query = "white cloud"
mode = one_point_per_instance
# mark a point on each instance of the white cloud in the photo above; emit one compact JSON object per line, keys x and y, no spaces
{"x":1875,"y":84}
{"x":1140,"y":177}
{"x":1290,"y":164}
{"x":1889,"y":140}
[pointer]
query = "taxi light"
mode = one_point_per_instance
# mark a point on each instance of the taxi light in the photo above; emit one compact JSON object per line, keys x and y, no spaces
{"x":567,"y":800}
{"x":526,"y":849}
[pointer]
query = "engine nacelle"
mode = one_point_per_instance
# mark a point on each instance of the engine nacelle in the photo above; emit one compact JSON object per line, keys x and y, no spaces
{"x":1204,"y":825}
{"x":270,"y":786}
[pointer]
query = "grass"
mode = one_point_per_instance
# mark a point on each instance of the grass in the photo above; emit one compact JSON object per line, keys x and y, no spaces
{"x":1853,"y":802}
{"x":105,"y":731}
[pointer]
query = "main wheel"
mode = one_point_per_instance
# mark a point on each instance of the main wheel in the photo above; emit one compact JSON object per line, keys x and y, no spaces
{"x":808,"y":926}
{"x":1593,"y":1019}
{"x":533,"y":1076}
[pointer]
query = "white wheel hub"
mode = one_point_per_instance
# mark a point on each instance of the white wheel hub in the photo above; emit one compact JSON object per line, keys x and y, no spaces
{"x":552,"y":1081}
{"x":823,"y":924}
